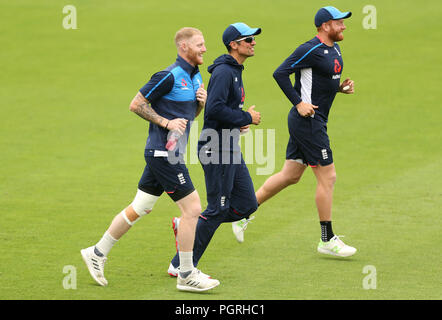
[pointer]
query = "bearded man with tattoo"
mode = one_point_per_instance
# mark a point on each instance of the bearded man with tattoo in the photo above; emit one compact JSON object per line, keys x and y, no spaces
{"x":169,"y":101}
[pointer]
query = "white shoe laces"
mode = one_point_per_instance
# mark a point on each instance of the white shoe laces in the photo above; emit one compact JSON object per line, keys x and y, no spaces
{"x":102,"y":262}
{"x":244,"y":225}
{"x":338,"y":240}
{"x":196,"y":271}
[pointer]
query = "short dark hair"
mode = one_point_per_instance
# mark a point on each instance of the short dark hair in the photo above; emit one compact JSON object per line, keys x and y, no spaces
{"x":229,"y":48}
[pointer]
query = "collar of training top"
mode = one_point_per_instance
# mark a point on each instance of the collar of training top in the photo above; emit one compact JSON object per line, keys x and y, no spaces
{"x":187,"y":66}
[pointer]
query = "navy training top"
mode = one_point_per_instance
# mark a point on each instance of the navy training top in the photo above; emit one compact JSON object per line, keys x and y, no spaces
{"x":172,"y":94}
{"x":317,"y":69}
{"x":225,"y":100}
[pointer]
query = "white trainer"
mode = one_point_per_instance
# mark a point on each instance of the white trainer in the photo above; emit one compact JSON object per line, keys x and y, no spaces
{"x":196,"y":282}
{"x":95,"y":265}
{"x":173,"y":272}
{"x":336,"y":247}
{"x":238,"y":228}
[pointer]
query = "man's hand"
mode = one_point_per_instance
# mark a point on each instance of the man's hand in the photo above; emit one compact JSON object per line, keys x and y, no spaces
{"x":347,"y":87}
{"x":306,"y":109}
{"x":244,"y":130}
{"x":201,"y":95}
{"x":256,"y":116}
{"x":178,"y":124}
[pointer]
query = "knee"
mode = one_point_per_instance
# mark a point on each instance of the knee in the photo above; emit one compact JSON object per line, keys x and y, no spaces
{"x":255,"y":205}
{"x":252,"y":207}
{"x":332,"y":179}
{"x":292,"y":179}
{"x":329,"y":181}
{"x":140,"y":206}
{"x":196,"y":210}
{"x":143,"y":203}
{"x":292,"y":172}
{"x":193,"y":211}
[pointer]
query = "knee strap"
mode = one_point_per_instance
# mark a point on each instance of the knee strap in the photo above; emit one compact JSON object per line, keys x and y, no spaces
{"x":143,"y":202}
{"x":142,"y":205}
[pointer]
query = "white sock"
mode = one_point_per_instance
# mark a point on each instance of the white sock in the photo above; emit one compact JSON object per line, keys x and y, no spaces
{"x":186,"y":262}
{"x":106,"y":243}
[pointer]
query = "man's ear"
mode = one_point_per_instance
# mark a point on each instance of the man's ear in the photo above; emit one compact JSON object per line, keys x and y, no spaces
{"x":183,"y":46}
{"x":233,"y":45}
{"x":326,"y":26}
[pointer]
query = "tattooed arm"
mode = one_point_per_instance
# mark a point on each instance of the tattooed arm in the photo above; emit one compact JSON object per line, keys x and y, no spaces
{"x":142,"y":108}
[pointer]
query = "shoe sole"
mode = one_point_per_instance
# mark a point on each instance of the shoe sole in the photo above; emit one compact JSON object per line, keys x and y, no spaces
{"x":325,"y":251}
{"x":193,"y":289}
{"x":172,"y":274}
{"x":90,"y":268}
{"x":175,"y":232}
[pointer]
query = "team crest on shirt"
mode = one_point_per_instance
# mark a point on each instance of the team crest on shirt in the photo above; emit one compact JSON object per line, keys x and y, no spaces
{"x":338,"y":66}
{"x":184,"y":84}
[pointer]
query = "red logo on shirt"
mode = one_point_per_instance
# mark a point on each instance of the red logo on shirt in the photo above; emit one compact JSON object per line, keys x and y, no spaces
{"x":183,"y":83}
{"x":337,"y":66}
{"x":243,"y":95}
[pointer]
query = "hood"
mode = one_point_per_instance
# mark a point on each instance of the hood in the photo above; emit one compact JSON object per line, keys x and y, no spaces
{"x":225,"y":59}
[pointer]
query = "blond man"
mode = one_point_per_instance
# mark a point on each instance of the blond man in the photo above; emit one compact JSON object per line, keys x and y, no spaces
{"x":169,"y":101}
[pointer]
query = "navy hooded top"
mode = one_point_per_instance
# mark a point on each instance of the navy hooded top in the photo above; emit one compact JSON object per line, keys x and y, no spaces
{"x":225,"y":100}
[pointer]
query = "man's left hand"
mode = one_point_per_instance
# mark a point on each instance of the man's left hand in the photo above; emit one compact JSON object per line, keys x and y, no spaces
{"x":349,"y":86}
{"x":201,"y":95}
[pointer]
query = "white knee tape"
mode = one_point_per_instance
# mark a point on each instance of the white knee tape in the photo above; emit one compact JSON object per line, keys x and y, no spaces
{"x":143,"y":203}
{"x":131,"y":223}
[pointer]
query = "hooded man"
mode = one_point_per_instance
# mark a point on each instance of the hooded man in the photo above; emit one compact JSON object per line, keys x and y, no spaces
{"x":230,"y":192}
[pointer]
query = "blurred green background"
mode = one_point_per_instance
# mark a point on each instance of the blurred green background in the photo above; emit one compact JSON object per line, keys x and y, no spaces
{"x":72,"y":152}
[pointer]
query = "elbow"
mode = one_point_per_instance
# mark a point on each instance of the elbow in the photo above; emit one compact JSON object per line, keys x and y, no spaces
{"x":133,"y":105}
{"x":276,"y":74}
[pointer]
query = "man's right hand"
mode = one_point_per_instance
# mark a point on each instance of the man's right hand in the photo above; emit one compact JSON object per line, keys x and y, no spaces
{"x":256,"y":116}
{"x":306,"y":109}
{"x":178,"y":124}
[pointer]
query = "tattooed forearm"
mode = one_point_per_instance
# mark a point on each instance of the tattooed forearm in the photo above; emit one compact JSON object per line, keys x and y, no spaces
{"x":145,"y":111}
{"x":142,"y":108}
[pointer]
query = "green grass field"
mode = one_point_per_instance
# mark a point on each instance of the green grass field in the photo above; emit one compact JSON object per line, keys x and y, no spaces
{"x":72,"y":152}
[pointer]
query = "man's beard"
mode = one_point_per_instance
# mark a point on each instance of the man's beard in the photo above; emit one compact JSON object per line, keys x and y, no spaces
{"x":336,"y":36}
{"x":194,"y":57}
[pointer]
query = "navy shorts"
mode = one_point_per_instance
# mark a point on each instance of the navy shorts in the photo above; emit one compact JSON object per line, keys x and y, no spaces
{"x":160,"y":175}
{"x":230,"y":191}
{"x":308,"y":141}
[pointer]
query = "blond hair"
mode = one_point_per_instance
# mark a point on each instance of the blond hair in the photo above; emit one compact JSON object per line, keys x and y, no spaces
{"x":185,"y":34}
